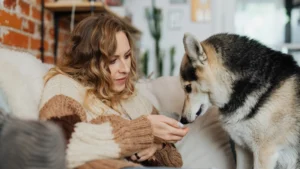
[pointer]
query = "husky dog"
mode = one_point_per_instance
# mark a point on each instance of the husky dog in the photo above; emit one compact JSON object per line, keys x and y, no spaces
{"x":256,"y":90}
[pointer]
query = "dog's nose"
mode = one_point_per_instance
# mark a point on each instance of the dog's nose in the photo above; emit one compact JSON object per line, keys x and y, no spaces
{"x":183,"y":120}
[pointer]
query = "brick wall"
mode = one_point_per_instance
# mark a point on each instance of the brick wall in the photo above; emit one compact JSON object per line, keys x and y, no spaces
{"x":20,"y":22}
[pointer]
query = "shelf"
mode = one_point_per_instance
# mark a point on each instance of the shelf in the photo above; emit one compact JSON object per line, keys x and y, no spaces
{"x":293,"y":46}
{"x":66,"y":6}
{"x":290,"y":47}
{"x":83,"y":9}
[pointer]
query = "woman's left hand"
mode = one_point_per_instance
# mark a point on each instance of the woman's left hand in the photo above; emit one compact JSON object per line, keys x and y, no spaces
{"x":147,"y":153}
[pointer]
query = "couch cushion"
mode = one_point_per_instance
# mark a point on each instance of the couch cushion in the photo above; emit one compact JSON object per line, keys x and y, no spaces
{"x":165,"y":93}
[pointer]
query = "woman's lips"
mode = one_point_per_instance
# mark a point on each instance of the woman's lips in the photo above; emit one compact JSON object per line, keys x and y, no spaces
{"x":121,"y":80}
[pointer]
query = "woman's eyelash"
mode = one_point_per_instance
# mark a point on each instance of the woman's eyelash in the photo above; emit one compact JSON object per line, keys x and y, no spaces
{"x":127,"y":56}
{"x":113,"y":61}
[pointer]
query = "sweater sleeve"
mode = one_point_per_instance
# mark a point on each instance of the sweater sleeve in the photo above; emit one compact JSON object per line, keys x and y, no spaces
{"x":168,"y":156}
{"x":107,"y":137}
{"x":112,"y":138}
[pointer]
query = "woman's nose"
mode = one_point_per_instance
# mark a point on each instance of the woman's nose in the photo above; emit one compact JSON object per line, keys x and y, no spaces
{"x":124,"y":67}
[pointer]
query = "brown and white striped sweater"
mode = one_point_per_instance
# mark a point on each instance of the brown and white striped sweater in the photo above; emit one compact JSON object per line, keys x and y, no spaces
{"x":98,"y":136}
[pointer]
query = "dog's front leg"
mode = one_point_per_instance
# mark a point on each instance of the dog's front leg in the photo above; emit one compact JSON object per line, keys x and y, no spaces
{"x":244,"y":158}
{"x":265,"y":157}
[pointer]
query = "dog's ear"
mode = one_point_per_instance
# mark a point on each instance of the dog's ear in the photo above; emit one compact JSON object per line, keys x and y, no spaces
{"x":193,"y":48}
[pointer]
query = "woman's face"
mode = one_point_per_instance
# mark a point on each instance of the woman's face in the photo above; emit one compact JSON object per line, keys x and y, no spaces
{"x":120,"y":63}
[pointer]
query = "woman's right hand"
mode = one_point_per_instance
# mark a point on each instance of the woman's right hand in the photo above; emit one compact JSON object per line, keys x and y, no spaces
{"x":167,"y":128}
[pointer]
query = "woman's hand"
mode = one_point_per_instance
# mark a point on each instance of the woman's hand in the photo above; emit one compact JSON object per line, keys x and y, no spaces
{"x":167,"y":128}
{"x":147,"y":153}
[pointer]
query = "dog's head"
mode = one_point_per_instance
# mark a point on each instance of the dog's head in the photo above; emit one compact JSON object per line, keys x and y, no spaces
{"x":203,"y":78}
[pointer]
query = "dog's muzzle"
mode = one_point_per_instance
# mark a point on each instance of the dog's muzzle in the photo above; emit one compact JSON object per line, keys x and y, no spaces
{"x":184,"y":120}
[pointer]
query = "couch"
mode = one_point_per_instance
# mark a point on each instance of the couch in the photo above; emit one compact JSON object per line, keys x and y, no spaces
{"x":205,"y":146}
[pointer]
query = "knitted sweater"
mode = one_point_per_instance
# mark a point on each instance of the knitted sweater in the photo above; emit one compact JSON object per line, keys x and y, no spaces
{"x":98,"y":136}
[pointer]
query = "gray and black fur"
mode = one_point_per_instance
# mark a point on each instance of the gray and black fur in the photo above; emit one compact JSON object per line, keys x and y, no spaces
{"x":30,"y":144}
{"x":256,"y":65}
{"x":247,"y":80}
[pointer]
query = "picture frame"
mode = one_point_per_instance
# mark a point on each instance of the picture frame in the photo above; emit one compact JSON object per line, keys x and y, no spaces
{"x":201,"y":10}
{"x":175,"y":17}
{"x":177,"y":1}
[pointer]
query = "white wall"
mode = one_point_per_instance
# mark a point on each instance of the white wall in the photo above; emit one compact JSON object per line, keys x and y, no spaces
{"x":222,"y":21}
{"x":295,"y":23}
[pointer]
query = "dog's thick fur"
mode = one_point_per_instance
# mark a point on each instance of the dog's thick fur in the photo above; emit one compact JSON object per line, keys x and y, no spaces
{"x":256,"y":90}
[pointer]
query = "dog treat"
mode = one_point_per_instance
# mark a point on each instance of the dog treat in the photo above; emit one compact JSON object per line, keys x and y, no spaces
{"x":180,"y":125}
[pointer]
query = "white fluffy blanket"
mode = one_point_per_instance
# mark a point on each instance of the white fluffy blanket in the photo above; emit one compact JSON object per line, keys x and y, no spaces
{"x":21,"y":80}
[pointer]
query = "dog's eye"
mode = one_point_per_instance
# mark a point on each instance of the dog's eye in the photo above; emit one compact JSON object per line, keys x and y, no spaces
{"x":188,"y":88}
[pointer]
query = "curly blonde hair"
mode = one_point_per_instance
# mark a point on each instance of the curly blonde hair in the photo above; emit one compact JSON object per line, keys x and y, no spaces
{"x":87,"y":54}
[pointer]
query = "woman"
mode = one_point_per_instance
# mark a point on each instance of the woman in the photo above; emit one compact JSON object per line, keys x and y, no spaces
{"x":92,"y":96}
